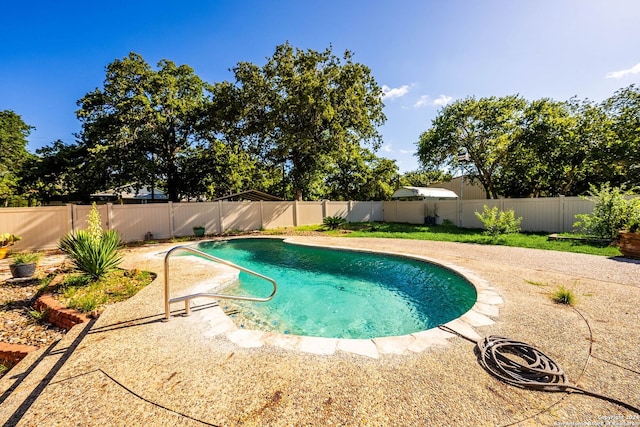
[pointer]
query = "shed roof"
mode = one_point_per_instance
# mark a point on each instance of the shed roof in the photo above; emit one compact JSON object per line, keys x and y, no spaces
{"x":423,"y":193}
{"x":253,"y":195}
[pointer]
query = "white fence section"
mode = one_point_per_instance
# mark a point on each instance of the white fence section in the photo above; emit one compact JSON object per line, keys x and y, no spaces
{"x":42,"y":227}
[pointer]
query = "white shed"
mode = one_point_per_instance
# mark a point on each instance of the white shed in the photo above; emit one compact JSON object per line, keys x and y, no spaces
{"x":423,"y":193}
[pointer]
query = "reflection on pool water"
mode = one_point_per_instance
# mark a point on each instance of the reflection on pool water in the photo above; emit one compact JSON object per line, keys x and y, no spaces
{"x":342,"y":294}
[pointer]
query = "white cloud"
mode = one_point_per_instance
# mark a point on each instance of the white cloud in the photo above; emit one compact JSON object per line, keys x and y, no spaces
{"x":407,"y":151}
{"x":387,"y":148}
{"x":395,"y":92}
{"x":622,"y":73}
{"x":423,"y":101}
{"x":442,"y":100}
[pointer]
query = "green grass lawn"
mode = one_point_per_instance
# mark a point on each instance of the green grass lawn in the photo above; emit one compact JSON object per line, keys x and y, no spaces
{"x":451,"y":233}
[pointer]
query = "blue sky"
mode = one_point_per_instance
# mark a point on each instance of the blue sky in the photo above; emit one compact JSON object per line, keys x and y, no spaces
{"x":424,"y":53}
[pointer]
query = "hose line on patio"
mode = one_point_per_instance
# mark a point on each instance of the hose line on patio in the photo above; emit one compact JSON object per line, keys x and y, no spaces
{"x":524,"y":366}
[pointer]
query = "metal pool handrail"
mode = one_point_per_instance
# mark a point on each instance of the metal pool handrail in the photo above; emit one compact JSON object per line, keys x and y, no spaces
{"x":187,"y":298}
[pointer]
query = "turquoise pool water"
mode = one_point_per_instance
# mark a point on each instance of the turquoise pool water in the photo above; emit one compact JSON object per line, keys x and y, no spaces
{"x":342,"y":294}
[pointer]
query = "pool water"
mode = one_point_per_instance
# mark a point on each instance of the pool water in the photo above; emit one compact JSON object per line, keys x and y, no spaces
{"x":341,"y":294}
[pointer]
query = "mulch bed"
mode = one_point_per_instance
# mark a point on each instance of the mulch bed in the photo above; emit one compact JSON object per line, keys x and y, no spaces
{"x":17,"y":300}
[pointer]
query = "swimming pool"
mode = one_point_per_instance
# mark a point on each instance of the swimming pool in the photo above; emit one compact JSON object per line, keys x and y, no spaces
{"x":334,"y":293}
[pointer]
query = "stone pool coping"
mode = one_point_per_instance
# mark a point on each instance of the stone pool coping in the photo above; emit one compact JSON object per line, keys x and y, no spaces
{"x":480,"y":314}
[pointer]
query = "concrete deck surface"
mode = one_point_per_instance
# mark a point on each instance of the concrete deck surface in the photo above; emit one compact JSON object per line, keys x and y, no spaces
{"x":130,"y":368}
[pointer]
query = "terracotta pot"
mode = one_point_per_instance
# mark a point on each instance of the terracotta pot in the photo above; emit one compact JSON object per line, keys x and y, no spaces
{"x":19,"y":271}
{"x":629,"y":244}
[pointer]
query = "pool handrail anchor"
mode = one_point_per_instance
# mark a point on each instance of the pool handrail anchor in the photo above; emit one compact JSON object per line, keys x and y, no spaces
{"x":188,"y":298}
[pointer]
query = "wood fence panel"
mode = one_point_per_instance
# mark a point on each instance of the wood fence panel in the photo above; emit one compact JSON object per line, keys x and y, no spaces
{"x":189,"y":215}
{"x":40,"y":227}
{"x":366,"y":212}
{"x":277,"y":214}
{"x":447,"y":209}
{"x":537,"y":214}
{"x":135,"y":221}
{"x":340,"y":209}
{"x":309,"y":213}
{"x":242,"y":216}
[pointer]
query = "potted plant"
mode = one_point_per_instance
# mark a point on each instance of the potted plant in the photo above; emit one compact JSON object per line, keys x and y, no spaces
{"x":6,"y":240}
{"x":629,"y":237}
{"x":198,"y":231}
{"x":24,"y":264}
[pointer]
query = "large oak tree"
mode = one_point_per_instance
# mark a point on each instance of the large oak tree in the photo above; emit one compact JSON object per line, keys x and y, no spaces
{"x":142,"y":122}
{"x":304,"y":107}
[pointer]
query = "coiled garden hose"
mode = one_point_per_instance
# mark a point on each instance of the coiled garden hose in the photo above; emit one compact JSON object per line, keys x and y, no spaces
{"x":524,"y":366}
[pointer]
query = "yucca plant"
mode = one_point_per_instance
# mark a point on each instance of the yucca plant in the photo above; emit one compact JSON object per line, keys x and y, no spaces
{"x":92,"y":257}
{"x":93,"y":251}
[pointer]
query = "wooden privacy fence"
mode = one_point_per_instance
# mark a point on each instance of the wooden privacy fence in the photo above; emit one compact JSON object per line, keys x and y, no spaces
{"x":42,"y":227}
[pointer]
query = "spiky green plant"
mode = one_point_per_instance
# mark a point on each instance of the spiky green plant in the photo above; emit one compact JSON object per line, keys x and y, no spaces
{"x":334,"y":222}
{"x":94,"y":258}
{"x":563,"y":295}
{"x":93,"y":251}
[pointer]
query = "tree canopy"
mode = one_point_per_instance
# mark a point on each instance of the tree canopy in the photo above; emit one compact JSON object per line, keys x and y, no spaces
{"x":139,"y":126}
{"x":520,"y":148}
{"x":13,"y":153}
{"x":304,"y":107}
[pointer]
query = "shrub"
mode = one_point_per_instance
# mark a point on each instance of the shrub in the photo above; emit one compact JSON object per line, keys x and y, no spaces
{"x":563,"y":295}
{"x":93,"y":251}
{"x":26,"y":257}
{"x":611,"y":212}
{"x":334,"y":222}
{"x":633,"y":217}
{"x":498,"y":222}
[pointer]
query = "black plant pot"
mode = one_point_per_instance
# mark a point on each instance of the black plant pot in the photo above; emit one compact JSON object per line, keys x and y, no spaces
{"x":22,"y":270}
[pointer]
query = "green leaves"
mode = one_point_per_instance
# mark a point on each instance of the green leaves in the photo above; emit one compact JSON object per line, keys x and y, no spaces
{"x":93,"y":258}
{"x":497,"y":222}
{"x":307,"y":106}
{"x":92,"y":251}
{"x":612,"y":212}
{"x":538,"y":148}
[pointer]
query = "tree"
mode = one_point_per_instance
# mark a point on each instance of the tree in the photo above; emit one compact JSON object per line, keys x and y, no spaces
{"x":423,"y":178}
{"x":302,"y":107}
{"x":139,"y":126}
{"x":360,"y":175}
{"x":13,"y":153}
{"x":544,"y":157}
{"x":623,"y":109}
{"x":58,"y":171}
{"x":482,"y":128}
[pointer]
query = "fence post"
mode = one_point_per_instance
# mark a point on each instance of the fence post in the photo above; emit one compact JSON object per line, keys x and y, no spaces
{"x":295,"y":213}
{"x":71,"y":222}
{"x":220,"y":217}
{"x":109,"y":216}
{"x":171,"y":225}
{"x":324,"y":209}
{"x":261,"y":216}
{"x":349,"y":209}
{"x":561,"y":213}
